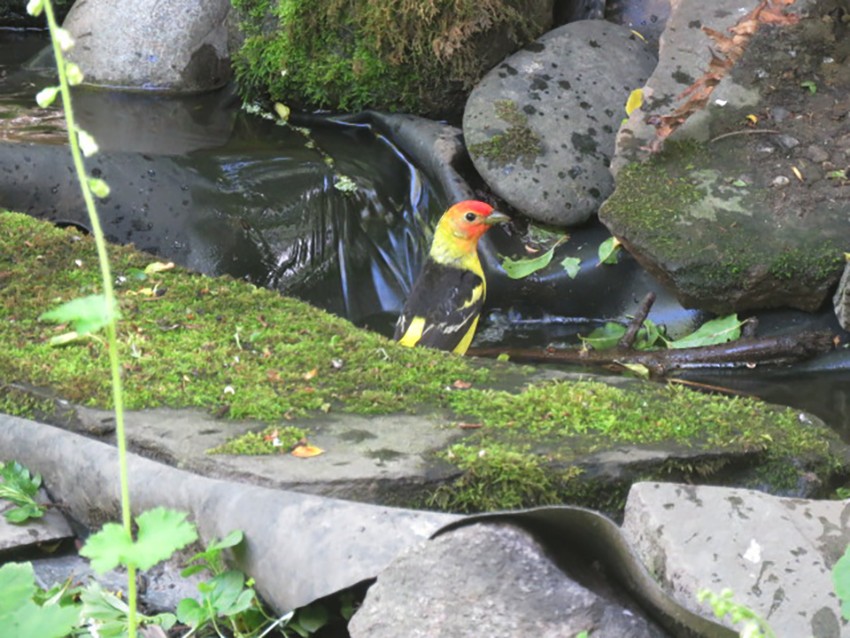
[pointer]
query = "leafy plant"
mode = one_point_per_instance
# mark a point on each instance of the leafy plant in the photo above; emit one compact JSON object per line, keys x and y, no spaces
{"x":21,"y":615}
{"x":715,"y":331}
{"x":841,"y":582}
{"x":108,"y":616}
{"x":20,"y":488}
{"x":723,"y":604}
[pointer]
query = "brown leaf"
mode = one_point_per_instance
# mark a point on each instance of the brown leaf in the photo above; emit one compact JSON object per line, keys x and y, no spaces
{"x":461,"y":385}
{"x":311,"y":374}
{"x":305,"y":451}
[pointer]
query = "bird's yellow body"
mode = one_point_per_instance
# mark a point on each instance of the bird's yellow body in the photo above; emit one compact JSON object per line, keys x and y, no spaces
{"x":445,"y":303}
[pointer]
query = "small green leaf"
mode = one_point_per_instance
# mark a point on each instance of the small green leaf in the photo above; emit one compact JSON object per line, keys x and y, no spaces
{"x":572,"y":266}
{"x":609,"y":251}
{"x":74,"y":74}
{"x":710,"y":333}
{"x":635,"y":101}
{"x":841,"y":582}
{"x":85,"y":314}
{"x":810,"y":85}
{"x":605,"y":337}
{"x":521,"y":268}
{"x":161,"y":533}
{"x":108,"y":548}
{"x":740,"y":183}
{"x":98,"y":187}
{"x":20,"y":616}
{"x":87,"y":144}
{"x":20,"y":488}
{"x":47,"y":96}
{"x":637,"y":369}
{"x":35,"y":7}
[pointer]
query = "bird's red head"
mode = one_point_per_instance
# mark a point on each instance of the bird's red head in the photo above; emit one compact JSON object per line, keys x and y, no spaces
{"x":469,"y":220}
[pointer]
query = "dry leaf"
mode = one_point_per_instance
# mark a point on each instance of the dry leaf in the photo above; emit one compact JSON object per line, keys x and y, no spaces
{"x":311,"y":374}
{"x":469,"y":426}
{"x":306,"y":451}
{"x":461,"y":385}
{"x":158,"y":266}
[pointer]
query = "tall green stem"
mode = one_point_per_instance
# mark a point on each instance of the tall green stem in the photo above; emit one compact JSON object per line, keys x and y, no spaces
{"x":109,"y":294}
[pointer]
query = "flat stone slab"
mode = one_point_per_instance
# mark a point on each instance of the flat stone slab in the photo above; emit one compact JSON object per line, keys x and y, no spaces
{"x":50,"y":528}
{"x":775,"y":554}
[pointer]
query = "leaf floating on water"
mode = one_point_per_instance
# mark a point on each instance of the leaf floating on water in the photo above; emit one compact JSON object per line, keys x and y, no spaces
{"x":521,"y":268}
{"x":609,"y":251}
{"x":572,"y":266}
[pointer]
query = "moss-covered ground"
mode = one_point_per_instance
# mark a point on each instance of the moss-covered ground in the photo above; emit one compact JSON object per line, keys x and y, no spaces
{"x":240,"y":352}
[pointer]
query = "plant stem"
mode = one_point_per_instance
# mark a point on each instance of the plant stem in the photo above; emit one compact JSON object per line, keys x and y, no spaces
{"x":109,"y":294}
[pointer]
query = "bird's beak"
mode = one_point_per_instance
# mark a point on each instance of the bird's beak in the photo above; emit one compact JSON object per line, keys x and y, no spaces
{"x":495,"y":217}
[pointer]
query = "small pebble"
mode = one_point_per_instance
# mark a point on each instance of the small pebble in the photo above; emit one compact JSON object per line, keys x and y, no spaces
{"x":780,"y":180}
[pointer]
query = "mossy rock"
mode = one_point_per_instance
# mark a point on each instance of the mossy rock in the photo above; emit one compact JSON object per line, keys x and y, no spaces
{"x":416,"y":56}
{"x":269,"y":370}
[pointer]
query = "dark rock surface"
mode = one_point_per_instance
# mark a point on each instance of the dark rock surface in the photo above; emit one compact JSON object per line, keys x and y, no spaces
{"x":540,"y":126}
{"x":746,"y":205}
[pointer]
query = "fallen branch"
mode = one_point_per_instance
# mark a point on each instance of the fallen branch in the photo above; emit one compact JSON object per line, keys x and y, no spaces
{"x":748,"y":352}
{"x":628,"y":339}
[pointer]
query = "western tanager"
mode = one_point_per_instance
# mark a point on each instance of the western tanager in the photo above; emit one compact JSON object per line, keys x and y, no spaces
{"x":443,"y":307}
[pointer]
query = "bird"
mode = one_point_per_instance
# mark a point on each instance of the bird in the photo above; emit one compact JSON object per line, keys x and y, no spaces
{"x":444,"y":305}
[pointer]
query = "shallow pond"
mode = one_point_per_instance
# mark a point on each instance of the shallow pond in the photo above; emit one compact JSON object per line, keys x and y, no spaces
{"x":335,"y":214}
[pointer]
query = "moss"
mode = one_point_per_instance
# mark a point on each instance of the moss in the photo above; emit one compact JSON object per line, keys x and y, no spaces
{"x":18,"y":402}
{"x":219,"y":344}
{"x":517,"y":143}
{"x":410,"y":55}
{"x":271,"y":440}
{"x":513,"y":460}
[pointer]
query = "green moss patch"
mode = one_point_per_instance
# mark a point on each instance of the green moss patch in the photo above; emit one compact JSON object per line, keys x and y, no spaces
{"x":517,"y":143}
{"x":413,"y":55}
{"x":190,"y":340}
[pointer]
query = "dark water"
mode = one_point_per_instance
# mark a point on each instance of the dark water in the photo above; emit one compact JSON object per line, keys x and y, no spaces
{"x":201,"y":181}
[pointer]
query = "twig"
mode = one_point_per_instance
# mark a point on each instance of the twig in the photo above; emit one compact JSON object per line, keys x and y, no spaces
{"x":628,"y":338}
{"x":745,"y":131}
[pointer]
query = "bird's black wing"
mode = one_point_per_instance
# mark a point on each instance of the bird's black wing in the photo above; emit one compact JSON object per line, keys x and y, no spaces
{"x":448,"y":299}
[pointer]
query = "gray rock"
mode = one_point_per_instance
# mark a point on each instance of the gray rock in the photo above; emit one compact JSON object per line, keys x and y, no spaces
{"x":540,"y":126}
{"x":50,"y":528}
{"x":719,"y":242}
{"x":774,"y":553}
{"x":166,"y":46}
{"x":841,"y":299}
{"x":487,"y":580}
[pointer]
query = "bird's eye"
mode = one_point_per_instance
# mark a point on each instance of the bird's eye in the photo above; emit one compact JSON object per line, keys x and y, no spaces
{"x":470,"y":217}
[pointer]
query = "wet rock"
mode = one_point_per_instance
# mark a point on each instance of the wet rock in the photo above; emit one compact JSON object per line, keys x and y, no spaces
{"x":177,"y":47}
{"x":841,"y":299}
{"x":487,"y":580}
{"x":540,"y":126}
{"x":776,"y":554}
{"x":721,"y":243}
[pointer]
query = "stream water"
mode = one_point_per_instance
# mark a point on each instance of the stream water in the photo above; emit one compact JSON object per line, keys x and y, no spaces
{"x":334,"y":214}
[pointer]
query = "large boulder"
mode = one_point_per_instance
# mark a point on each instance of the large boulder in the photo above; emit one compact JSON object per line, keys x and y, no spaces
{"x":775,"y":554}
{"x":745,"y":206}
{"x":540,"y":126}
{"x":167,"y":46}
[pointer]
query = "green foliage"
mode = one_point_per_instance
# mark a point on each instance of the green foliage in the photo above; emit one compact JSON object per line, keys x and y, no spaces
{"x":211,"y":558}
{"x":86,"y":314}
{"x":723,"y":604}
{"x":719,"y":330}
{"x":109,"y":616}
{"x":609,"y":251}
{"x":521,"y":268}
{"x":223,"y":596}
{"x":20,"y":488}
{"x":20,"y":615}
{"x":161,"y":533}
{"x":841,"y":582}
{"x":607,"y":336}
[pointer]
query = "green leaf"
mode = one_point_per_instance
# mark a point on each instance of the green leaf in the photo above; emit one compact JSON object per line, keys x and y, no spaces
{"x":572,"y":266}
{"x":98,"y":187}
{"x":161,"y":533}
{"x":841,"y":582}
{"x":20,"y":616}
{"x":712,"y":332}
{"x":520,"y":268}
{"x":190,"y":612}
{"x":810,"y":85}
{"x":85,"y":314}
{"x":609,"y":251}
{"x":20,"y":488}
{"x":311,"y":618}
{"x":46,"y":96}
{"x":605,"y":337}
